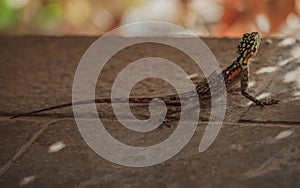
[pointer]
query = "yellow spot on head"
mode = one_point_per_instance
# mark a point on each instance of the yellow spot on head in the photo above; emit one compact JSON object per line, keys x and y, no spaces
{"x":249,"y":44}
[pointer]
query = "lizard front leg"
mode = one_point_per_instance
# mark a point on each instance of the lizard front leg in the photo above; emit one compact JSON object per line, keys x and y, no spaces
{"x":244,"y":88}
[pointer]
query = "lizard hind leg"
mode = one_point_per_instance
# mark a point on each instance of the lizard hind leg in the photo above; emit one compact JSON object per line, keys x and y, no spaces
{"x":168,"y":120}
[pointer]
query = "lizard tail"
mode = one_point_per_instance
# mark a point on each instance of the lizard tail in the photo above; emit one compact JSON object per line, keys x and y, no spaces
{"x":41,"y":110}
{"x":104,"y":100}
{"x":61,"y":106}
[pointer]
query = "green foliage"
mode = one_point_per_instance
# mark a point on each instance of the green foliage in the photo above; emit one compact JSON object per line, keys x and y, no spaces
{"x":50,"y":15}
{"x":9,"y":16}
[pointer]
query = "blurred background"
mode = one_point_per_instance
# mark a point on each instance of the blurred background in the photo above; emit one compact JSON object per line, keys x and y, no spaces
{"x":216,"y":18}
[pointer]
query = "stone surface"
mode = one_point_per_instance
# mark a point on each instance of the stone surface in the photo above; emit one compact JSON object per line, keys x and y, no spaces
{"x":13,"y":135}
{"x":281,"y":81}
{"x":255,"y":147}
{"x":242,"y":155}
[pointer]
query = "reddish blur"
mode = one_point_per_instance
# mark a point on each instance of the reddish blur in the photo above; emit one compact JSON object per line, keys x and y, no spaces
{"x":204,"y":17}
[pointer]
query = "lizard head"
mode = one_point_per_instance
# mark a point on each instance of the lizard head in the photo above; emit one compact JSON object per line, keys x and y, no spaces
{"x":249,"y":45}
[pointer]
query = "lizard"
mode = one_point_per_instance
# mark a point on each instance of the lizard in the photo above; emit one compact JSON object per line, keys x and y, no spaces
{"x":237,"y":71}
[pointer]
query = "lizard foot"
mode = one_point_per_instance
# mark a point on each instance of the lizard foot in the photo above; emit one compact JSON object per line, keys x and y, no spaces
{"x":267,"y":102}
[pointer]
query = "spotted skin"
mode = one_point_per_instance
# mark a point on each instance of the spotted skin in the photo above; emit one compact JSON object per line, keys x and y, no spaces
{"x":237,"y":71}
{"x":247,"y":48}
